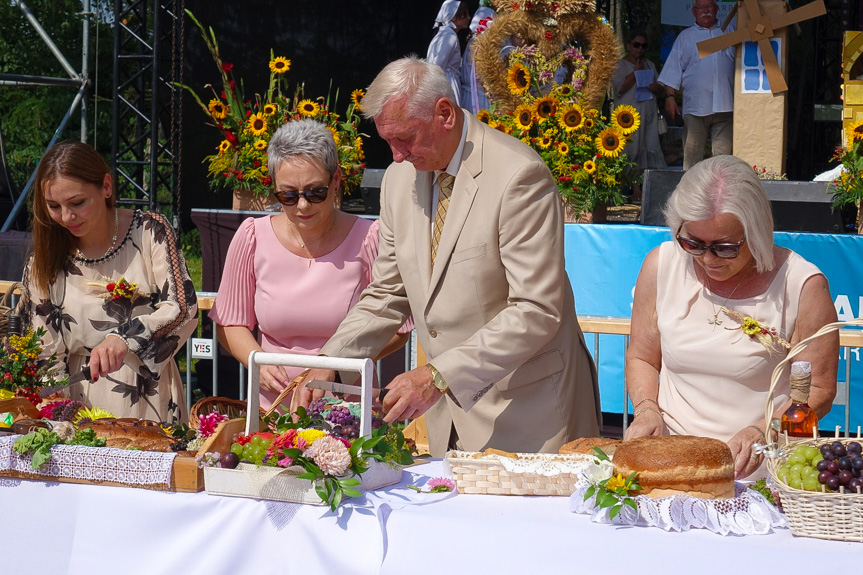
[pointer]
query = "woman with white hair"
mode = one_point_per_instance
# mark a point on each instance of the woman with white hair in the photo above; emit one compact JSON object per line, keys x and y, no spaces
{"x":697,"y":363}
{"x":444,"y":49}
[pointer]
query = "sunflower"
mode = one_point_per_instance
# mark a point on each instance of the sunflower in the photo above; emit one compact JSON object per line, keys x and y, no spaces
{"x":217,"y":109}
{"x":357,"y":98}
{"x":588,"y":124}
{"x":518,"y":79}
{"x":589,"y":166}
{"x":308,"y":108}
{"x":89,"y":414}
{"x":565,"y":90}
{"x":483,"y":116}
{"x":854,"y":133}
{"x":224,"y":146}
{"x":270,"y":109}
{"x":572,"y":118}
{"x":563,"y":148}
{"x":626,"y":118}
{"x":280,"y":65}
{"x":257,"y":124}
{"x":523,"y":117}
{"x":260,"y":144}
{"x":335,"y":134}
{"x":499,"y":126}
{"x":610,"y":142}
{"x":358,"y":144}
{"x":545,"y":141}
{"x":546,"y":107}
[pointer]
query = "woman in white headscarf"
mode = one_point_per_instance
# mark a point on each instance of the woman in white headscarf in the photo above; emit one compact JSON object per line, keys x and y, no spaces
{"x":473,"y":96}
{"x":444,"y":48}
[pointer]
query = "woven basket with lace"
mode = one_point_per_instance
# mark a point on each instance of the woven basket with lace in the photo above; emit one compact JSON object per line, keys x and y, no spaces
{"x":823,"y":515}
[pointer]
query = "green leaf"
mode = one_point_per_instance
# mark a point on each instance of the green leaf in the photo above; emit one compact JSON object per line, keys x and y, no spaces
{"x":349,"y":482}
{"x":307,"y":475}
{"x":614,"y":511}
{"x":631,"y":502}
{"x":351,"y":492}
{"x":600,"y":454}
{"x":589,"y":493}
{"x":337,"y":499}
{"x":322,"y":493}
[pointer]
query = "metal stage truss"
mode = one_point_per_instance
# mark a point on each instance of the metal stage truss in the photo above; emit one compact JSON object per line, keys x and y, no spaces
{"x":148,"y":118}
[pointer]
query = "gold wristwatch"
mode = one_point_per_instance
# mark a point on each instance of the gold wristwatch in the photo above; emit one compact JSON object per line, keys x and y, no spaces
{"x":439,"y":381}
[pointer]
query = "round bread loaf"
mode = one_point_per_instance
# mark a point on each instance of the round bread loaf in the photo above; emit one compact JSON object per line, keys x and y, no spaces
{"x":672,"y":464}
{"x":586,"y":445}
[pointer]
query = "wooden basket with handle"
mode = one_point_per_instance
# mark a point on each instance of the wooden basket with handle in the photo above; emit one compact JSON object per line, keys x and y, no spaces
{"x":823,"y":515}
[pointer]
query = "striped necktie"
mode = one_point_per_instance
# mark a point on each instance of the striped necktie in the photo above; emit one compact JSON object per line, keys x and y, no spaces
{"x":445,"y":182}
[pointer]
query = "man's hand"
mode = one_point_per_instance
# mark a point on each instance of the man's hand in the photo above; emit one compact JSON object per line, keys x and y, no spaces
{"x":303,"y":395}
{"x":671,"y":108}
{"x":107,"y":357}
{"x":410,"y":395}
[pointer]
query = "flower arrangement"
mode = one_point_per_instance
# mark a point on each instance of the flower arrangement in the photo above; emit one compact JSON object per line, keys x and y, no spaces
{"x":117,"y":289}
{"x":22,"y":373}
{"x":611,"y":490}
{"x":240,"y":161}
{"x":763,"y":334}
{"x":582,"y":148}
{"x":848,"y":187}
{"x":765,"y":174}
{"x":323,"y":443}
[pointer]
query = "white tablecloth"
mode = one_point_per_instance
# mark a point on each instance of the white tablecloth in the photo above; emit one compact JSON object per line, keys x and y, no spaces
{"x":82,"y":529}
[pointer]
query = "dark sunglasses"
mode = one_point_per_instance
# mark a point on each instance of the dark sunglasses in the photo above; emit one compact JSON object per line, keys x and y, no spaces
{"x":639,"y":45}
{"x":312,"y":195}
{"x":725,"y":251}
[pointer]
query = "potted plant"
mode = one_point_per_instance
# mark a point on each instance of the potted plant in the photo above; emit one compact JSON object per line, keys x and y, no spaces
{"x":240,"y":160}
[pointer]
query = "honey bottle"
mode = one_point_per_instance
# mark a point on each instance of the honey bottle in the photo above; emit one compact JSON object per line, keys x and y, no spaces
{"x":800,"y":420}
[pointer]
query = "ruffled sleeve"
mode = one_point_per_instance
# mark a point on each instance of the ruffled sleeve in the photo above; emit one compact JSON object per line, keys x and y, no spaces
{"x":369,"y":252}
{"x":235,"y":300}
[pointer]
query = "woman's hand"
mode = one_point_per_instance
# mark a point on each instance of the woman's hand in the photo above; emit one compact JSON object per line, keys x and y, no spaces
{"x":648,"y":422}
{"x":746,"y":461}
{"x":107,"y":357}
{"x":274,"y":378}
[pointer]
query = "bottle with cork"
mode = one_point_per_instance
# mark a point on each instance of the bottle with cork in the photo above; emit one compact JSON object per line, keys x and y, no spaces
{"x":799,"y":420}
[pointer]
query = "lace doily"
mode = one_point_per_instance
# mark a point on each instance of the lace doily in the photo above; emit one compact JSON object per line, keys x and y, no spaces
{"x":749,"y":513}
{"x":545,"y":464}
{"x":127,"y":466}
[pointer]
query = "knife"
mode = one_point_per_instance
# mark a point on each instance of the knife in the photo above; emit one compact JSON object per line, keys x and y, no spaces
{"x":83,"y":375}
{"x":334,"y":387}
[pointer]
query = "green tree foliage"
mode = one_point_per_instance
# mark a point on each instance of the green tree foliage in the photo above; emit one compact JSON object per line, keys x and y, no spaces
{"x":29,"y":115}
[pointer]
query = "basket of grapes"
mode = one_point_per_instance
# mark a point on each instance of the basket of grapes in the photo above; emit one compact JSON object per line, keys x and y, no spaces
{"x":322,"y":455}
{"x":819,"y":480}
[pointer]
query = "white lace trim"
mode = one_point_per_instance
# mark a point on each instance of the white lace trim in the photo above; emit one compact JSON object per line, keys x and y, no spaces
{"x":749,"y":513}
{"x":127,"y":466}
{"x":545,"y":464}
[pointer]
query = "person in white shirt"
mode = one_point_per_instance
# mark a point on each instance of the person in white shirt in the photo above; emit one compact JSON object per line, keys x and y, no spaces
{"x":444,"y":49}
{"x":708,"y":86}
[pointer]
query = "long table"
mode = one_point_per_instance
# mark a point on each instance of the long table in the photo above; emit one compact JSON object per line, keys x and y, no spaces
{"x":76,"y":529}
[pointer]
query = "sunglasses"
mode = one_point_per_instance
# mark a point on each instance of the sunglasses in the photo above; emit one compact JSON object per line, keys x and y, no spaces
{"x":312,"y":195}
{"x":638,"y":45}
{"x":725,"y":251}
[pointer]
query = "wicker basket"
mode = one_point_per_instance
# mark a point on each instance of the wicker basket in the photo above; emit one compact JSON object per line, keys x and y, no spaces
{"x":812,"y":514}
{"x":823,"y":515}
{"x":5,"y":309}
{"x":233,"y":408}
{"x":475,"y":473}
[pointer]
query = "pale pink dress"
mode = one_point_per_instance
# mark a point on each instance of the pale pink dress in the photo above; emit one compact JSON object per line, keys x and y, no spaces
{"x":296,"y":303}
{"x":714,"y":382}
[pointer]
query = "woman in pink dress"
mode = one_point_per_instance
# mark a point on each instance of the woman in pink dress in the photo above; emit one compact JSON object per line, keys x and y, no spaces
{"x":295,"y":275}
{"x":690,"y":367}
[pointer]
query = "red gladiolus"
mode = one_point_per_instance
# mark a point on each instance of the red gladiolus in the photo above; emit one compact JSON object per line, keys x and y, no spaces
{"x":227,"y":67}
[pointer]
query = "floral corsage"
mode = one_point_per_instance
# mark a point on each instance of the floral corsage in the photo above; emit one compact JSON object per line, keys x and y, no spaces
{"x":765,"y":335}
{"x":611,"y":490}
{"x":116,"y":289}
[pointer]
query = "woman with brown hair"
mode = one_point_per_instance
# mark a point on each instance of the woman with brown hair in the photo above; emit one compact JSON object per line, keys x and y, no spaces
{"x":110,"y":286}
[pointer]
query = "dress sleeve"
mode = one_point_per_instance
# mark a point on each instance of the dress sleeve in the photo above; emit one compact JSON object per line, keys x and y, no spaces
{"x":369,"y":253}
{"x":42,"y":313}
{"x":234,"y":305}
{"x":155,"y":337}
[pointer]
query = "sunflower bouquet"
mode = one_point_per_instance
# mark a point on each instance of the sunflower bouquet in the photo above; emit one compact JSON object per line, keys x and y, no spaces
{"x":240,"y":161}
{"x":582,"y":148}
{"x":22,"y":372}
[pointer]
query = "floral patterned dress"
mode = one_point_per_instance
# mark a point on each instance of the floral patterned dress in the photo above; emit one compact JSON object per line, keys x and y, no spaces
{"x":154,"y":320}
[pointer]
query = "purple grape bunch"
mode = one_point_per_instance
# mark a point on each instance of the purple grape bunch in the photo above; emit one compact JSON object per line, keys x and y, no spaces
{"x":344,"y":423}
{"x":842,"y":466}
{"x":316,"y":408}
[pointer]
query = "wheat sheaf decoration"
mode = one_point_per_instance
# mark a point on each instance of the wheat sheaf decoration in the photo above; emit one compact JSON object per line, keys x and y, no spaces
{"x":551,"y":27}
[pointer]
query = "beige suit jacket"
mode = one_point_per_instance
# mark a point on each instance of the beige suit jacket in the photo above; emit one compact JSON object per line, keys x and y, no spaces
{"x":496,"y":316}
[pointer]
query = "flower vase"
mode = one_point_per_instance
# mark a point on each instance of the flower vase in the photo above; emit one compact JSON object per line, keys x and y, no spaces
{"x":599,"y":215}
{"x":247,"y":200}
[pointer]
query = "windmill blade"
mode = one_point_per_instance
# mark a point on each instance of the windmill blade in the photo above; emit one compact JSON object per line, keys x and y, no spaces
{"x":711,"y":45}
{"x":771,"y":66}
{"x":811,"y":10}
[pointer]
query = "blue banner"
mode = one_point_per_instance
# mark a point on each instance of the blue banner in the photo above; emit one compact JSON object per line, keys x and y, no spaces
{"x":603,"y":262}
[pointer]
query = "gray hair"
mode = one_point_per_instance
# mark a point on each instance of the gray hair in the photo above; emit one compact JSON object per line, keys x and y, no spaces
{"x":411,"y":77}
{"x":725,"y":185}
{"x":307,"y":138}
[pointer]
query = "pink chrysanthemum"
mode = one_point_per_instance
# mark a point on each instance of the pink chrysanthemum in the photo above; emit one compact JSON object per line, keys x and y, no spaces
{"x":440,"y":483}
{"x":330,"y":455}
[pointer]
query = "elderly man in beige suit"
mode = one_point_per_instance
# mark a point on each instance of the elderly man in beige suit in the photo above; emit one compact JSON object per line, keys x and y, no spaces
{"x":478,"y":260}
